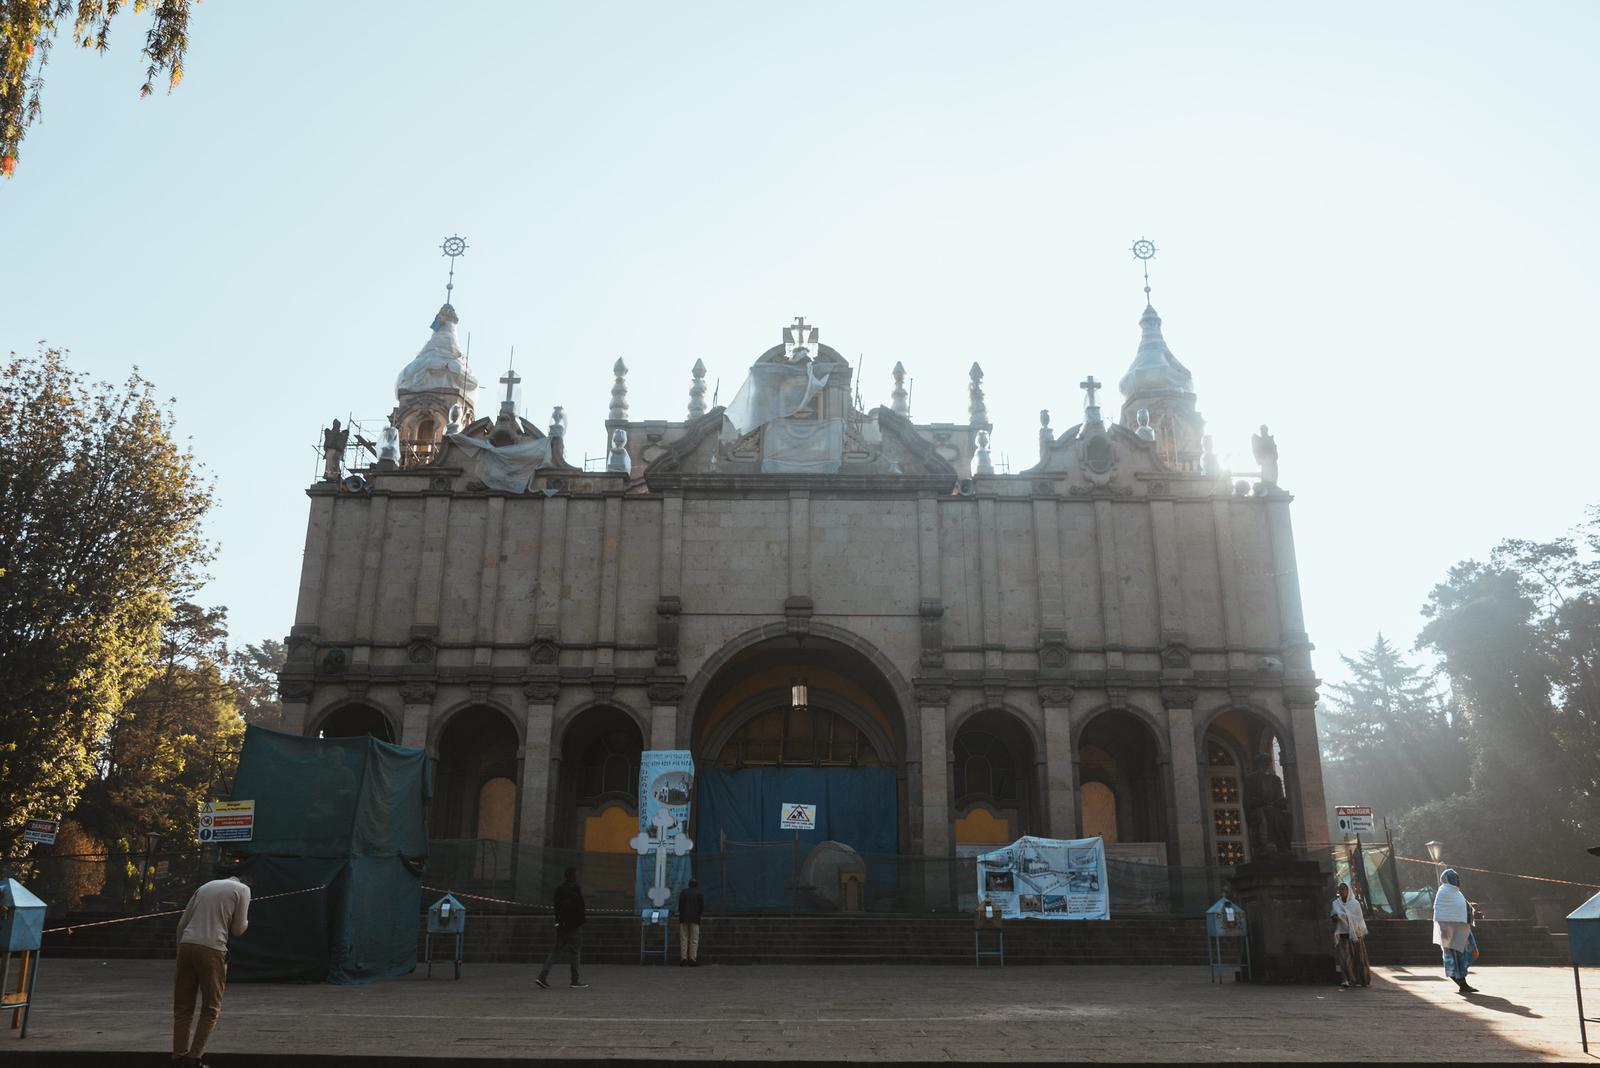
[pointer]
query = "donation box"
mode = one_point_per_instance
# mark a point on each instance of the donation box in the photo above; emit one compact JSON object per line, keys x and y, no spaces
{"x":1583,"y":933}
{"x":21,"y":917}
{"x":447,"y":916}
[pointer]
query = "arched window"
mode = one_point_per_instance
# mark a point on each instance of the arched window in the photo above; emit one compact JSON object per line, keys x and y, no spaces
{"x":609,"y":765}
{"x":352,"y":721}
{"x":798,"y":736}
{"x":1167,"y":438}
{"x":1230,"y":843}
{"x":984,"y":768}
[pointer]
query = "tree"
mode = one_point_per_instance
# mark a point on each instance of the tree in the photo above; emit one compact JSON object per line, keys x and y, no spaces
{"x":1389,"y":736}
{"x":100,"y":516}
{"x":1519,"y":637}
{"x":254,"y":671}
{"x":30,"y":28}
{"x":175,"y":743}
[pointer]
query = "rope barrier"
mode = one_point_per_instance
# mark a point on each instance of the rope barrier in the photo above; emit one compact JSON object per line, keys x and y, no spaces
{"x":1491,"y":871}
{"x":521,"y":904}
{"x":170,"y":912}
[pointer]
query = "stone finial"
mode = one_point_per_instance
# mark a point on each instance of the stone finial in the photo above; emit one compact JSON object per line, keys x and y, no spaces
{"x":1144,"y":431}
{"x":1265,"y":447}
{"x":977,"y":411}
{"x":697,"y":390}
{"x":982,"y":463}
{"x":1047,"y":437}
{"x":617,"y":458}
{"x":389,"y":447}
{"x":619,"y":394}
{"x":900,"y":400}
{"x":558,"y":422}
{"x":1091,"y":410}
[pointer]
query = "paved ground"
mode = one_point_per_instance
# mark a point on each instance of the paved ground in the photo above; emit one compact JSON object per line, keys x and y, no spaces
{"x":767,"y":1014}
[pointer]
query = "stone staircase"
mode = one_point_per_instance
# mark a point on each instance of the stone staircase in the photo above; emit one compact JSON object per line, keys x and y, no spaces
{"x":873,"y":939}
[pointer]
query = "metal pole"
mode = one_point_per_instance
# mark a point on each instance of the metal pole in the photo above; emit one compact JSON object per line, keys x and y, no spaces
{"x":1583,"y":1026}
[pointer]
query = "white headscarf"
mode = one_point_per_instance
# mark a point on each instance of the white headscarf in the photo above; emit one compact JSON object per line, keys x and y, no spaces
{"x":1450,"y":904}
{"x":1352,"y":921}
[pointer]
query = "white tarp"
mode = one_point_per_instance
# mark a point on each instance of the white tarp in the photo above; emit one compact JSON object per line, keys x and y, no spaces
{"x":773,"y":391}
{"x":803,"y":447}
{"x":507,"y":468}
{"x":1047,"y":879}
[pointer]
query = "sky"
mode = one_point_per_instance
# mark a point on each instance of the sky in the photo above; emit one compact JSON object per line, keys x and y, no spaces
{"x":1375,"y":225}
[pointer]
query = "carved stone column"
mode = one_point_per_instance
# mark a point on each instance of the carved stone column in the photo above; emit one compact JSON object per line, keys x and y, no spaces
{"x":416,"y":709}
{"x":1188,"y":807}
{"x":665,"y":694}
{"x":1061,"y":788}
{"x":932,"y":696}
{"x":535,"y":789}
{"x":1302,"y":705}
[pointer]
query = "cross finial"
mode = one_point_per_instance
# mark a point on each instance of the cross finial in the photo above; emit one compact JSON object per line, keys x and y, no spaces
{"x":452,"y":246}
{"x":1143,"y":250}
{"x":1091,"y":385}
{"x":800,"y":335}
{"x":510,"y":380}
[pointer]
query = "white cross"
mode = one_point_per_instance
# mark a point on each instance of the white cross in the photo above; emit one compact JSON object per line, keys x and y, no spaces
{"x":664,"y":837}
{"x":1091,"y":385}
{"x":510,"y":380}
{"x":798,"y":336}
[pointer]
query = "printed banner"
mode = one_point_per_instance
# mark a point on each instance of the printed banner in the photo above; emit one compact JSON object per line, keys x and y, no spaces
{"x":1047,"y":879}
{"x":666,"y":782}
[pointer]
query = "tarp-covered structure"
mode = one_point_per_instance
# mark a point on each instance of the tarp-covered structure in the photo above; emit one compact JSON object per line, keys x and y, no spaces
{"x":348,"y":815}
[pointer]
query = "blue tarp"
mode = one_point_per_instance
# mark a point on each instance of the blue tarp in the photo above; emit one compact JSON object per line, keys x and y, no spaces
{"x":855,"y":806}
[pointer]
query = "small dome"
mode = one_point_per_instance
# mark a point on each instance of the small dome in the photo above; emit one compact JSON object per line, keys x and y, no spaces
{"x":441,"y":366}
{"x":1155,"y":369}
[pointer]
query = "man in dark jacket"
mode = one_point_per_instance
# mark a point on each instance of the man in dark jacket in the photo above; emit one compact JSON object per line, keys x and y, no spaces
{"x":691,"y":906}
{"x":569,"y":930}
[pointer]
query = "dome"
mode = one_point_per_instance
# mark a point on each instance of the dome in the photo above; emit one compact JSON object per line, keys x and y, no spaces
{"x":441,"y":366}
{"x":1155,"y":369}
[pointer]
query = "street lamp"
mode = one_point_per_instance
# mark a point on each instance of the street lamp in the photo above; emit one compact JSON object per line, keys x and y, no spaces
{"x":1435,"y":851}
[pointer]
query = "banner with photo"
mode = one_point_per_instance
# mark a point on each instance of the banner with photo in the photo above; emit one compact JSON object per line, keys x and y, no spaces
{"x":666,"y":781}
{"x":1047,"y":879}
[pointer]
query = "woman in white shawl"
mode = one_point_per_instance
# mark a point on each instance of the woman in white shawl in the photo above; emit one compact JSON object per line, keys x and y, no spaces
{"x":1350,"y":939}
{"x":1452,"y":929}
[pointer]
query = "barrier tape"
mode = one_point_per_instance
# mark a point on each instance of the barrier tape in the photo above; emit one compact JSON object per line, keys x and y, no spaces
{"x":520,"y":904}
{"x":170,"y":912}
{"x":1491,"y":871}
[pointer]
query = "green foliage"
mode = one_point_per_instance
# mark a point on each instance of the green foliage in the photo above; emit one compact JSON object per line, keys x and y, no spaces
{"x":1389,"y":737}
{"x":100,"y":516}
{"x":175,"y":743}
{"x":254,"y":671}
{"x":29,"y":27}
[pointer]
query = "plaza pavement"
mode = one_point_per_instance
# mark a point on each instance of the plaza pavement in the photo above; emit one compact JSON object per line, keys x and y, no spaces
{"x":91,"y":1012}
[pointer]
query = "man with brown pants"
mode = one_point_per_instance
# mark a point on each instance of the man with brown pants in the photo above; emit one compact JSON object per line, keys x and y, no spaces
{"x":218,"y":909}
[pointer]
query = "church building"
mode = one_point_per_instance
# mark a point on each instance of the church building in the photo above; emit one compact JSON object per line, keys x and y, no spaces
{"x":1105,"y":643}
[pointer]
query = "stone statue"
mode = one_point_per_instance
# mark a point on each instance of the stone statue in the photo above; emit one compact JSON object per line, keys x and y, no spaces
{"x":333,"y":445}
{"x":454,"y":424}
{"x":1047,"y":437}
{"x":617,"y":458}
{"x":1266,"y":450}
{"x":1266,"y":809}
{"x":389,"y":447}
{"x":1144,"y":431}
{"x":1210,"y":463}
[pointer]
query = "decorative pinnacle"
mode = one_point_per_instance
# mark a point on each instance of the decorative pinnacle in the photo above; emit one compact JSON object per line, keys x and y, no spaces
{"x":697,"y":390}
{"x":1144,"y":250}
{"x":619,"y":394}
{"x":452,"y":246}
{"x":977,"y":411}
{"x":900,"y":400}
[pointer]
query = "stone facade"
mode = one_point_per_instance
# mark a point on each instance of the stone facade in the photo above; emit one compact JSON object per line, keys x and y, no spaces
{"x":1114,"y":629}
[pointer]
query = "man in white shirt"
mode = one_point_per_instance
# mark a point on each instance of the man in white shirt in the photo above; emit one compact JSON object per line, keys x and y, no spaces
{"x":218,"y":909}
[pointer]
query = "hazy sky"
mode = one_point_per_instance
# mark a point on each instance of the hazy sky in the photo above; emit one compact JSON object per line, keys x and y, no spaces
{"x":1376,"y":228}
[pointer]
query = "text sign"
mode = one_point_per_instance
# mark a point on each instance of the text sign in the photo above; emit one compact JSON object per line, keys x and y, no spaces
{"x":41,"y":831}
{"x":1353,"y":819}
{"x":796,"y":817}
{"x":227,"y":821}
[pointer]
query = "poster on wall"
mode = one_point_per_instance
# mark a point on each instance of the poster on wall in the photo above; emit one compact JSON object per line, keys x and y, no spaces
{"x":1047,"y":879}
{"x":666,"y":782}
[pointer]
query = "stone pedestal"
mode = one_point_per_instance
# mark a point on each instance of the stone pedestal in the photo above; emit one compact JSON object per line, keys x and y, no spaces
{"x":1286,"y":911}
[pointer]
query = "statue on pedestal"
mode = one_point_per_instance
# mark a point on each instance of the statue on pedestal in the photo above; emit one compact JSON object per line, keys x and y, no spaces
{"x":1265,"y":447}
{"x":1266,"y":810}
{"x":334,"y":441}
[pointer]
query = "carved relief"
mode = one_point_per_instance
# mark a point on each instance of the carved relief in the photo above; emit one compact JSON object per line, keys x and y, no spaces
{"x":1054,"y":655}
{"x":932,"y":613}
{"x":422,"y":651}
{"x":1176,"y":655}
{"x":931,"y":691}
{"x":665,"y":691}
{"x":1058,"y":696}
{"x":334,"y":662}
{"x":544,"y":653}
{"x":541,"y":693}
{"x":667,"y":611}
{"x":417,"y":693}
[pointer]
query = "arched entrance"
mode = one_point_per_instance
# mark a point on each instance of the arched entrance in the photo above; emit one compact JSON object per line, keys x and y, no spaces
{"x":994,"y":795}
{"x":1236,"y":743}
{"x":475,"y":792}
{"x":796,"y":720}
{"x":597,"y":799}
{"x":352,"y":721}
{"x":1121,"y":788}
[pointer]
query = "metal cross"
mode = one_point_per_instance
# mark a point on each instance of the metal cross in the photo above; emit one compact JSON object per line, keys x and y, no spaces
{"x":665,"y":838}
{"x":453,"y":246}
{"x":800,"y":333}
{"x":1143,"y":250}
{"x":1091,"y":385}
{"x":510,"y":380}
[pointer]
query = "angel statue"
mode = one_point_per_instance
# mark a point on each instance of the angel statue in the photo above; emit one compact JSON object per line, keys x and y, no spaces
{"x":1266,"y":450}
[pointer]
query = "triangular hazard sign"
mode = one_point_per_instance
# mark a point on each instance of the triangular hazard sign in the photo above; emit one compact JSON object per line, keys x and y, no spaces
{"x":798,"y":812}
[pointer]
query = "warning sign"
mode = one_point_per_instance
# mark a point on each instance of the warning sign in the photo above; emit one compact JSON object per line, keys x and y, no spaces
{"x":796,"y":817}
{"x":227,"y":821}
{"x":1353,"y":819}
{"x":41,"y":831}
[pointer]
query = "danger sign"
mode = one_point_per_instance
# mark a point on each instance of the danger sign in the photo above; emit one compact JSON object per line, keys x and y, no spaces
{"x":1353,"y":819}
{"x":796,"y":817}
{"x":41,"y":831}
{"x":227,"y":821}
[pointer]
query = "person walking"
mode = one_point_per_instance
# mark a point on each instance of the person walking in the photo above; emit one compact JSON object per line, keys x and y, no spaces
{"x":218,"y":909}
{"x":691,"y":907}
{"x":1452,"y":929}
{"x":568,"y":901}
{"x":1350,"y":939}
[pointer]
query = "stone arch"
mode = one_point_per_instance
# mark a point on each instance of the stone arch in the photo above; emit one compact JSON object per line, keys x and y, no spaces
{"x":883,"y":744}
{"x":353,"y":718}
{"x":572,"y":715}
{"x":473,"y":745}
{"x":440,"y":723}
{"x":1126,"y":750}
{"x":1230,"y":740}
{"x":598,"y":749}
{"x":996,"y":776}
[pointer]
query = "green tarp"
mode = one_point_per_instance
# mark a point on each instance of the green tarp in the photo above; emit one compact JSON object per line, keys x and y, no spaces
{"x":348,"y":815}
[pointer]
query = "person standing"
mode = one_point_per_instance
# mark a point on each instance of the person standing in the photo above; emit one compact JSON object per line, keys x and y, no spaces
{"x":568,"y":901}
{"x":691,"y":907}
{"x":1452,"y":929}
{"x":1350,"y":939}
{"x":218,"y":909}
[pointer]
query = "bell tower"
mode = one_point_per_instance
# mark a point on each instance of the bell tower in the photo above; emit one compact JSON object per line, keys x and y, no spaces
{"x":1157,"y":384}
{"x":436,"y":389}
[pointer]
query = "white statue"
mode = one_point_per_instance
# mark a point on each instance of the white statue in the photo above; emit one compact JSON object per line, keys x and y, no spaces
{"x":1266,"y":450}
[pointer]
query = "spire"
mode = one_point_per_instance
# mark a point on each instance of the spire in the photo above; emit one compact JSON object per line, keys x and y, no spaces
{"x":977,"y":411}
{"x":697,"y":390}
{"x":619,"y":394}
{"x":900,"y":400}
{"x":439,"y":365}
